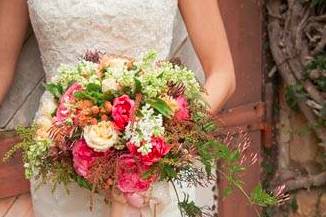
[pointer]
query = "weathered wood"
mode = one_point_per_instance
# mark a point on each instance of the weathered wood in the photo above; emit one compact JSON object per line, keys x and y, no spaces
{"x":26,"y":112}
{"x":12,"y":177}
{"x":25,"y":91}
{"x":22,"y":207}
{"x":6,"y":204}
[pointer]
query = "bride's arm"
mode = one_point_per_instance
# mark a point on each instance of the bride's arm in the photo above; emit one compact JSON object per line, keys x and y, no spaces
{"x":207,"y":33}
{"x":13,"y":25}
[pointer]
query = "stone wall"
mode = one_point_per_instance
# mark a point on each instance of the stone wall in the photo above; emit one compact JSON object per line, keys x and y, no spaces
{"x":300,"y":158}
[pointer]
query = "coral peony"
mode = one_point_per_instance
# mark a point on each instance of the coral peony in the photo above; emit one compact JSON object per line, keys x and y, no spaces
{"x":129,"y":175}
{"x":83,"y":157}
{"x":159,"y":149}
{"x":63,"y":111}
{"x":121,"y":111}
{"x":183,"y":110}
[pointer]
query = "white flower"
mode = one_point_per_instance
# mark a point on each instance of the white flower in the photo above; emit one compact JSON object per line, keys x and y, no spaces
{"x":101,"y":137}
{"x":47,"y":105}
{"x":109,"y":84}
{"x":141,"y":132}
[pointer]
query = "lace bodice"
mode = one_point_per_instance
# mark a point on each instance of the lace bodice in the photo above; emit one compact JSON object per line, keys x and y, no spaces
{"x":65,"y":29}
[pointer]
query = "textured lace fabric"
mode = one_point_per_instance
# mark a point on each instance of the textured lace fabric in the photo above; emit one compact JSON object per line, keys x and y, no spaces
{"x":65,"y":29}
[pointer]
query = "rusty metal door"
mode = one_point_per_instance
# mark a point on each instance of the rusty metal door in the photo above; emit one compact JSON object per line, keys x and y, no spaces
{"x":243,"y":21}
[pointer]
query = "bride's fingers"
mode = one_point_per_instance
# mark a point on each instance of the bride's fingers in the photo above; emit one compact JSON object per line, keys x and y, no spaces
{"x":118,"y":197}
{"x":137,"y":200}
{"x":124,"y":210}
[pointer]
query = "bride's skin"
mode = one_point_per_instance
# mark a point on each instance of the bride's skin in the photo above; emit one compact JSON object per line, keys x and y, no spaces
{"x":204,"y":24}
{"x":205,"y":27}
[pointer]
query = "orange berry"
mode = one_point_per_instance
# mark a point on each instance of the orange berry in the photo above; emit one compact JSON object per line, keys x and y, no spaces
{"x":95,"y":109}
{"x":108,"y":106}
{"x":85,"y":104}
{"x":85,"y":112}
{"x":102,"y":110}
{"x":104,"y":117}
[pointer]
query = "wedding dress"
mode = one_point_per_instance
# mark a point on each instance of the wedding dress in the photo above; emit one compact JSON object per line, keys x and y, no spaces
{"x":65,"y":29}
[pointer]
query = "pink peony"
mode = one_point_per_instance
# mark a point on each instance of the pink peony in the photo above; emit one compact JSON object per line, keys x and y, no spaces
{"x":122,"y":110}
{"x":84,"y":157}
{"x":183,"y":111}
{"x":62,"y":111}
{"x":159,"y":150}
{"x":129,"y":175}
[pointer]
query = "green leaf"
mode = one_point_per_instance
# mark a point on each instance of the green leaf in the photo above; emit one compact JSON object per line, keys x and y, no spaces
{"x":85,"y":95}
{"x":91,"y":87}
{"x":82,"y":182}
{"x":209,"y":127}
{"x":167,"y":172}
{"x":189,"y":208}
{"x":138,"y":86}
{"x":260,"y":197}
{"x":55,"y":89}
{"x":295,"y":94}
{"x":160,"y":106}
{"x":149,"y":173}
{"x":234,"y":156}
{"x":149,"y":57}
{"x":227,"y":191}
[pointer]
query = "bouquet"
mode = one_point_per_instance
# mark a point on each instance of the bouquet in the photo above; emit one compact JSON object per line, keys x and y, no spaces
{"x":117,"y":126}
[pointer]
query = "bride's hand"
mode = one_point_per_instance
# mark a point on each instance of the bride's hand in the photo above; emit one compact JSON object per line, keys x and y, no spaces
{"x":128,"y":205}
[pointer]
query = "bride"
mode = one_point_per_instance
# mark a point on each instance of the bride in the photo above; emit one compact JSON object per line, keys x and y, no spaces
{"x":65,"y":29}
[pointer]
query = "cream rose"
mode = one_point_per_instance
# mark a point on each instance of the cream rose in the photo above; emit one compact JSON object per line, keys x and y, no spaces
{"x":101,"y":137}
{"x":110,"y":84}
{"x":43,"y":125}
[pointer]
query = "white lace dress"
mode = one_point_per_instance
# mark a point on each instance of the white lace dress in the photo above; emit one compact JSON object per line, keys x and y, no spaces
{"x":65,"y":29}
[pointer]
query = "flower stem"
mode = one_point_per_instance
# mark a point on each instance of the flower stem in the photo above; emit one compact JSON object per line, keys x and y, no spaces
{"x":242,"y":191}
{"x":178,"y":198}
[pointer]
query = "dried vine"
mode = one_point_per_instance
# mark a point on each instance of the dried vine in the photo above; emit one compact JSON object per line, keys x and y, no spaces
{"x":297,"y":36}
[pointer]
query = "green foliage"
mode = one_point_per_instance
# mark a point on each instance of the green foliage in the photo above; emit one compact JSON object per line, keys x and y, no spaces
{"x":92,"y":87}
{"x":167,"y":170}
{"x":295,"y":94}
{"x":55,"y":89}
{"x":34,"y":151}
{"x":161,"y":106}
{"x":94,"y":93}
{"x":82,"y":182}
{"x":318,"y":3}
{"x":138,"y":85}
{"x":319,"y":63}
{"x":149,"y":58}
{"x":293,"y":204}
{"x":260,"y":197}
{"x":84,"y":73}
{"x":189,"y":208}
{"x":209,"y":152}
